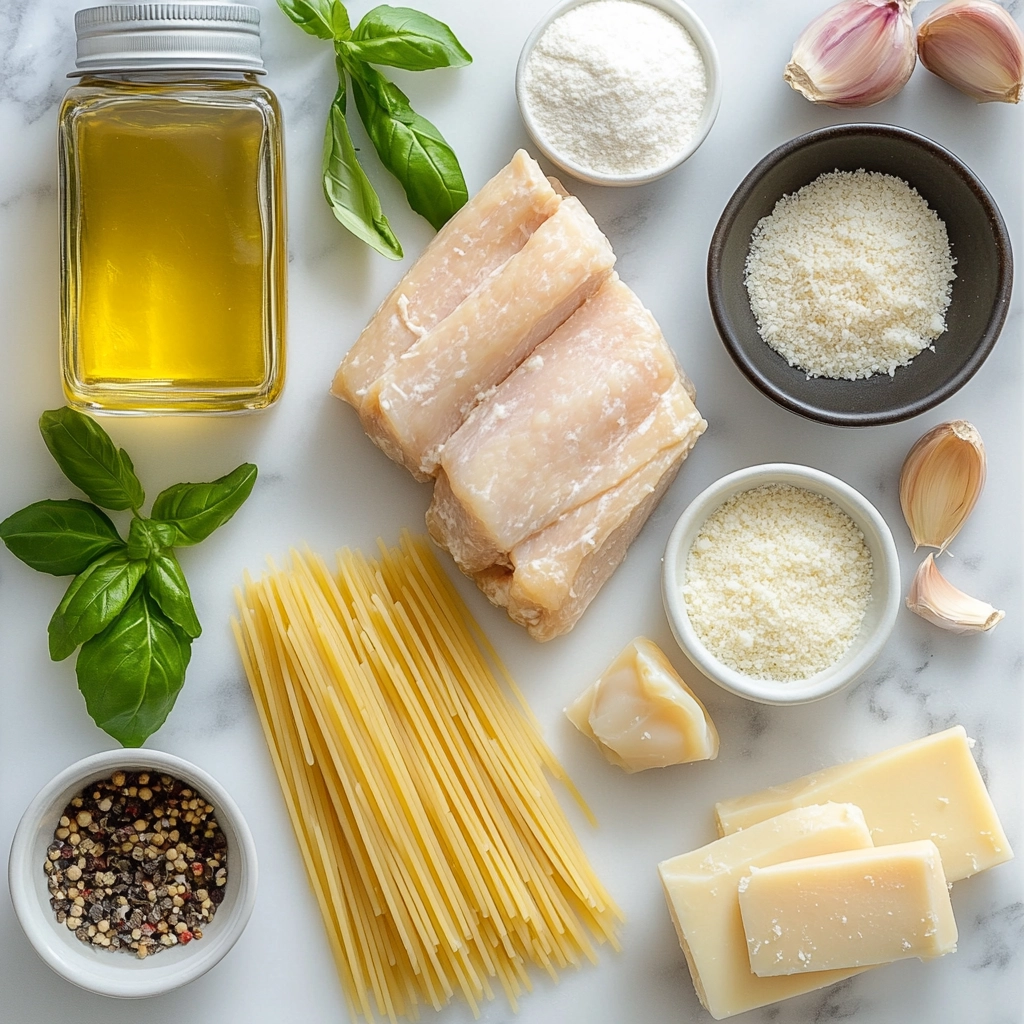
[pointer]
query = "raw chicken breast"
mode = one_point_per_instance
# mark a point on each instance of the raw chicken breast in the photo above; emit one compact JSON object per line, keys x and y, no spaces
{"x":592,"y":405}
{"x":491,"y":228}
{"x":414,"y":407}
{"x":559,"y":571}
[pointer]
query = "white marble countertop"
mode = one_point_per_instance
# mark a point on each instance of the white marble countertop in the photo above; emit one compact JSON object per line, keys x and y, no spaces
{"x":322,"y":482}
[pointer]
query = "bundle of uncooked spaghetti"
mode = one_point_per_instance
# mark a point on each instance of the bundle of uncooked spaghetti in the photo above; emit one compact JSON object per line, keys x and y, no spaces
{"x":417,"y":786}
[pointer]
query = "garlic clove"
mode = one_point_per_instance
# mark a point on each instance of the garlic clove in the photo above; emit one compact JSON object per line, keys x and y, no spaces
{"x":935,"y":599}
{"x":975,"y":46}
{"x":941,"y":480}
{"x":856,"y":54}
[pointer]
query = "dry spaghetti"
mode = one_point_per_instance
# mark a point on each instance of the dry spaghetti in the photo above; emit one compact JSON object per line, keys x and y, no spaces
{"x":416,"y":785}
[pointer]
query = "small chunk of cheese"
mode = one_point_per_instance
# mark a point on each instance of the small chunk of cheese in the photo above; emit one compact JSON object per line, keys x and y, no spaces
{"x":702,"y":889}
{"x":642,"y":715}
{"x":856,"y":908}
{"x":928,"y":789}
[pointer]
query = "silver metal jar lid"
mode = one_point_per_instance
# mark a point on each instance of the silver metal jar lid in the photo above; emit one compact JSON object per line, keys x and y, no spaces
{"x":168,"y":37}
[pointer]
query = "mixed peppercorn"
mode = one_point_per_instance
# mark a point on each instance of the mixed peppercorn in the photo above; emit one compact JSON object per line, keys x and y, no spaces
{"x":137,"y":863}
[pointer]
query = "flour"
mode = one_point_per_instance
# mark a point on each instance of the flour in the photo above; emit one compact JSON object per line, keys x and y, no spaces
{"x":615,"y":86}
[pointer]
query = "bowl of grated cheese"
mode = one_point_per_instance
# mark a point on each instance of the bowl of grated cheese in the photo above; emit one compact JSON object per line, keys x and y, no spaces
{"x":781,"y":583}
{"x":619,"y":92}
{"x":860,"y":274}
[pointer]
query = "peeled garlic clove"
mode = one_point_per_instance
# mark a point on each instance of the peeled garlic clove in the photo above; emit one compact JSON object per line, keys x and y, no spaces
{"x":934,"y":598}
{"x":976,"y":47}
{"x":940,"y":482}
{"x":856,"y":54}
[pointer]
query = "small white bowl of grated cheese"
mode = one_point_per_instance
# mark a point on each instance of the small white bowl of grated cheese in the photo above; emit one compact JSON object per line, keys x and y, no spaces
{"x":781,"y":583}
{"x":619,"y":92}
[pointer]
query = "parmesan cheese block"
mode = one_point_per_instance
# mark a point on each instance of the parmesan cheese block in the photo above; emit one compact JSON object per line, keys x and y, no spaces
{"x":857,"y":908}
{"x":557,"y":573}
{"x":421,"y":400}
{"x":641,"y":714}
{"x":491,"y":228}
{"x":928,"y":789}
{"x":592,"y":405}
{"x":702,"y":889}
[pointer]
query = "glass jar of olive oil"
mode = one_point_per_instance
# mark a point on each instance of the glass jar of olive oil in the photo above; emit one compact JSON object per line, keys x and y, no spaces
{"x":172,"y":213}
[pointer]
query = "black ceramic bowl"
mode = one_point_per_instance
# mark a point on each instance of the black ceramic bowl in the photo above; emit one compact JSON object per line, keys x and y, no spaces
{"x":981,"y":292}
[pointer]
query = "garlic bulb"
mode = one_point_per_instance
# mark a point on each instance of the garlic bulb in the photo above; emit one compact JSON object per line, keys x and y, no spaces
{"x":940,"y":482}
{"x":856,"y":54}
{"x":976,"y":47}
{"x":934,"y":598}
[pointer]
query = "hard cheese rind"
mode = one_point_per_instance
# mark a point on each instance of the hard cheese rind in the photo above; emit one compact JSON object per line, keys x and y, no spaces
{"x":641,"y":714}
{"x":856,"y":908}
{"x":702,"y":892}
{"x":928,"y":789}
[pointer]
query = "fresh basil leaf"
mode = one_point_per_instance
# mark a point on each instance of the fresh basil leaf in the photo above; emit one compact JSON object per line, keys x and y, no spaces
{"x":349,"y":192}
{"x":94,"y":598}
{"x":88,"y":458}
{"x":404,"y":38}
{"x":196,"y":510}
{"x":167,"y":586}
{"x":130,"y":674}
{"x":147,"y":537}
{"x":326,"y":19}
{"x":409,"y":146}
{"x":59,"y":537}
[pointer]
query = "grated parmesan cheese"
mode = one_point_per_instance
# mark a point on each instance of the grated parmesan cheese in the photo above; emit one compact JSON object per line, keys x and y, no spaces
{"x":777,"y":582}
{"x":850,"y":276}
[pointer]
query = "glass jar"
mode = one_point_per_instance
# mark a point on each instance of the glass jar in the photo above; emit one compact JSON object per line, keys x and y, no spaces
{"x":172,"y":213}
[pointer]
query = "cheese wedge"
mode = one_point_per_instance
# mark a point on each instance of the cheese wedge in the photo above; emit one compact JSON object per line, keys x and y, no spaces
{"x":641,"y":714}
{"x":559,"y":571}
{"x":488,"y":231}
{"x":928,"y":789}
{"x":702,"y":889}
{"x":420,"y":401}
{"x":592,"y":405}
{"x":857,"y":908}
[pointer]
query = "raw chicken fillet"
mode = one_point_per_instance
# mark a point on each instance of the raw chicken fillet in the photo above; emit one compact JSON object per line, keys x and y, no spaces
{"x":513,"y":366}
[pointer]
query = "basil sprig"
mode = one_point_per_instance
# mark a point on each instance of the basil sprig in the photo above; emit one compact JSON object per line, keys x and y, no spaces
{"x":408,"y":145}
{"x":128,"y":607}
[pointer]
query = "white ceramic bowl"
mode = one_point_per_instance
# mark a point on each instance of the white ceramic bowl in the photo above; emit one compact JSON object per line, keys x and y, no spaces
{"x":704,"y":43}
{"x":119,"y":973}
{"x":878,"y":620}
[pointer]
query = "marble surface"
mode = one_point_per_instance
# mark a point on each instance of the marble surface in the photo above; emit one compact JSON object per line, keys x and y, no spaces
{"x":321,"y":481}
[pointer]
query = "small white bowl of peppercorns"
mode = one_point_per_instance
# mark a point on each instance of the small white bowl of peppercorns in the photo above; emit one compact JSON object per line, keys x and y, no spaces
{"x":132,"y":873}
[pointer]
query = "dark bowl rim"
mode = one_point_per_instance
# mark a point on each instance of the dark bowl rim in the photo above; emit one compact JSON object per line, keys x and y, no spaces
{"x":878,"y":417}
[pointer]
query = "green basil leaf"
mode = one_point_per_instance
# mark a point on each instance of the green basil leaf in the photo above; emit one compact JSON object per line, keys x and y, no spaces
{"x":326,"y":19}
{"x":130,"y":674}
{"x":404,"y":38}
{"x":147,"y":537}
{"x":94,"y":598}
{"x":59,"y":537}
{"x":409,"y":146}
{"x":196,"y":510}
{"x":88,"y":458}
{"x":349,"y":193}
{"x":167,"y":586}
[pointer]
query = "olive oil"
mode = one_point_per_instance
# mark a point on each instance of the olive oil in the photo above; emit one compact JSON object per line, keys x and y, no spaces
{"x":173,"y":257}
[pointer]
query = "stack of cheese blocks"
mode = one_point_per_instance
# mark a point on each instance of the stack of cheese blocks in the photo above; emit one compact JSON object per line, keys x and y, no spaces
{"x":836,"y":872}
{"x":514,"y":368}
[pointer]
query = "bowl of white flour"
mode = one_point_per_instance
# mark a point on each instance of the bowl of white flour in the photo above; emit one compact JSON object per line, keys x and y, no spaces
{"x":619,"y":92}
